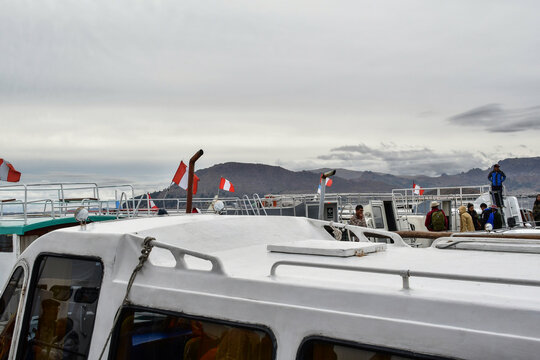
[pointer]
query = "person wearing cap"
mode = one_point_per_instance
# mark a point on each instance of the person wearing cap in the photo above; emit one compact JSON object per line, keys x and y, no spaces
{"x":497,"y":177}
{"x":495,"y":218}
{"x":436,"y":219}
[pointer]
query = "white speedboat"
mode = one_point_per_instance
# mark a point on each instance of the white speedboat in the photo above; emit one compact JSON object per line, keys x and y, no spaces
{"x":265,"y":287}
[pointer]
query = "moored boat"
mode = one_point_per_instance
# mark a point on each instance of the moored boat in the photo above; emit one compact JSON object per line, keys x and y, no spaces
{"x":245,"y":287}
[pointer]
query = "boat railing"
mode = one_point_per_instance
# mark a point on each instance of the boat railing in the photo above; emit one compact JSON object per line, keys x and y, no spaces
{"x":247,"y":205}
{"x":406,"y":274}
{"x":409,"y":202}
{"x":59,"y":199}
{"x":259,"y":204}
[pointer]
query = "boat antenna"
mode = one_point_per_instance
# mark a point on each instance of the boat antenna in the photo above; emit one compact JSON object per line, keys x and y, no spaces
{"x":323,"y":188}
{"x":191,"y":172}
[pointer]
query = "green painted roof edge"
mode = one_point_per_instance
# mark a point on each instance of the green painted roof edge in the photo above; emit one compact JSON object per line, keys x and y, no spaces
{"x":22,"y":229}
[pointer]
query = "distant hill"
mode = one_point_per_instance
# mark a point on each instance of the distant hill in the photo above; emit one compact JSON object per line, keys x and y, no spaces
{"x":523,"y":177}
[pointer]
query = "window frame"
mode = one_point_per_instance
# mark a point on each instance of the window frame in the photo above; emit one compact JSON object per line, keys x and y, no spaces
{"x":125,"y":308}
{"x":30,"y":293}
{"x":368,"y":347}
{"x":22,"y":302}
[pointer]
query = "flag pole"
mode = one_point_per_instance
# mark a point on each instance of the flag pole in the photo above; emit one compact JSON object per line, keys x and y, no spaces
{"x":323,"y":189}
{"x":192,"y":161}
{"x":165,"y":196}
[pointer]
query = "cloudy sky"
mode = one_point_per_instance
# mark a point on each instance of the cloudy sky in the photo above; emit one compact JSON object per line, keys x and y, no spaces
{"x":123,"y":90}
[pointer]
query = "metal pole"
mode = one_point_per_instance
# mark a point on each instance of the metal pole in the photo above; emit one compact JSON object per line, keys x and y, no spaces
{"x":323,"y":189}
{"x":192,"y":161}
{"x":165,"y":196}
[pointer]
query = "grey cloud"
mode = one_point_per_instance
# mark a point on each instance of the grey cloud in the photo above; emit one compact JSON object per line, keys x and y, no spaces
{"x":409,"y":161}
{"x":494,"y":118}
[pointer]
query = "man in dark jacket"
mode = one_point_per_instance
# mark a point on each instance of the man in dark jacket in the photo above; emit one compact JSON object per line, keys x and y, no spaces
{"x":474,"y":215}
{"x":484,"y":215}
{"x":495,"y":218}
{"x":496,"y":177}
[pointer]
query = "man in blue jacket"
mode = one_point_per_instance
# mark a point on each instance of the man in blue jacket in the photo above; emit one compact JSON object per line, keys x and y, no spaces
{"x":497,"y":176}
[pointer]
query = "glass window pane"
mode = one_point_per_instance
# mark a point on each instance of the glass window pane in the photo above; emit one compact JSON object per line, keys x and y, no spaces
{"x":9,"y":303}
{"x":378,"y":217}
{"x":152,"y":336}
{"x":6,"y":243}
{"x":64,"y":301}
{"x":318,"y":349}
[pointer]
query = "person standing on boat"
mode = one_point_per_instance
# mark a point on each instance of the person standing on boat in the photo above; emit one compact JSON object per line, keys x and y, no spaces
{"x":466,"y":221}
{"x":474,"y":216}
{"x":484,"y":215}
{"x":436,"y":219}
{"x":495,"y":218}
{"x":536,"y":210}
{"x":497,"y":176}
{"x":358,"y":218}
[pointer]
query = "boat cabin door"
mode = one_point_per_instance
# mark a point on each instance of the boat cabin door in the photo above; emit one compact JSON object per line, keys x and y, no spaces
{"x":330,"y":211}
{"x":446,"y":206}
{"x":378,"y":214}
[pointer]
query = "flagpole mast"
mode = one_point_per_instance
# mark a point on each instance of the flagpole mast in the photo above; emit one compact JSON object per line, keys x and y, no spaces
{"x":323,"y":188}
{"x":192,"y":161}
{"x":165,"y":196}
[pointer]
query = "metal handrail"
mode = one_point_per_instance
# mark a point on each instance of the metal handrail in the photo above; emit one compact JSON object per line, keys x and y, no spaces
{"x":120,"y":205}
{"x":180,"y":253}
{"x":244,"y":198}
{"x":257,"y":198}
{"x":406,"y":274}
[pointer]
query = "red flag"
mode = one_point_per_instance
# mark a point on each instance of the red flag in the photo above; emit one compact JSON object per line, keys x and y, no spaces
{"x":181,"y":177}
{"x":226,"y":185}
{"x":328,"y":183}
{"x":152,"y":204}
{"x":195,"y":183}
{"x":8,"y":172}
{"x":417,"y":190}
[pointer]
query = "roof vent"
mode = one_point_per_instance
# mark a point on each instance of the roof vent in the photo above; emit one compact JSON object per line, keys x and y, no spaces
{"x":327,"y":248}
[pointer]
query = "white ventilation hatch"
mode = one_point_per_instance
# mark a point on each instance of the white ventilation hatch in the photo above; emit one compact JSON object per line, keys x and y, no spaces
{"x":327,"y":248}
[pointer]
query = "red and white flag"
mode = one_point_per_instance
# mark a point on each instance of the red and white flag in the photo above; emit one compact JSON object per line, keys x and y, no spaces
{"x":8,"y":172}
{"x":328,"y":183}
{"x":226,"y":185}
{"x":181,"y":177}
{"x":152,"y":204}
{"x":417,"y":190}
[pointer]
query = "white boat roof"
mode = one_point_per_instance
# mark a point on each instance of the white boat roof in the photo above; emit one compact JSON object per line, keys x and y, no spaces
{"x":241,"y":245}
{"x":331,"y":292}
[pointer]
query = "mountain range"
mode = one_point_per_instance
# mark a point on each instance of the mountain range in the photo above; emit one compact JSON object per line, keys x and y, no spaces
{"x":523,"y":176}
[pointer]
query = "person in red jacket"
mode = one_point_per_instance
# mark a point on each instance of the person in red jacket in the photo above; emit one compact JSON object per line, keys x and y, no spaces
{"x":436,"y":219}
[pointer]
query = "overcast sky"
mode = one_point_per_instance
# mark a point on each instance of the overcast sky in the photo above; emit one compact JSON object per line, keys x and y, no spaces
{"x":123,"y":90}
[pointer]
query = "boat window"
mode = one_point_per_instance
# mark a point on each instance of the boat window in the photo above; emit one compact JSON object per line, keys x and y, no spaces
{"x":319,"y":348}
{"x":9,"y":303}
{"x":378,"y":217}
{"x":6,"y":243}
{"x":150,"y":335}
{"x":59,"y":322}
